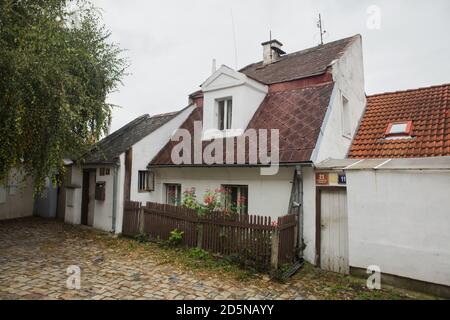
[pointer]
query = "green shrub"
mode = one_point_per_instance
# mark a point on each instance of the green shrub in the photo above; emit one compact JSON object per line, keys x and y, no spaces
{"x":199,"y":254}
{"x":141,"y":237}
{"x":175,"y":237}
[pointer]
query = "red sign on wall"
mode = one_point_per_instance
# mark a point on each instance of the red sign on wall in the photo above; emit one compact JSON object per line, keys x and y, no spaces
{"x":322,"y":178}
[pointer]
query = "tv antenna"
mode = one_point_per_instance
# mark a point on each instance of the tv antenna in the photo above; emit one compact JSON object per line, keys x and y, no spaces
{"x":234,"y":40}
{"x":320,"y":26}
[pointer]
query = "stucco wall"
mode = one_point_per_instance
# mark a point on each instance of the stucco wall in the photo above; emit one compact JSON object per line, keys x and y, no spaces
{"x":73,"y":196}
{"x":16,"y":198}
{"x":247,"y":95}
{"x":309,"y":213}
{"x":45,"y":205}
{"x":146,"y":149}
{"x":103,"y":209}
{"x":400,"y":221}
{"x":348,"y":74}
{"x":268,"y":196}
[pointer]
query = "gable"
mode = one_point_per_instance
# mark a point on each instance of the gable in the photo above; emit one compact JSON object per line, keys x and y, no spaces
{"x":297,"y":114}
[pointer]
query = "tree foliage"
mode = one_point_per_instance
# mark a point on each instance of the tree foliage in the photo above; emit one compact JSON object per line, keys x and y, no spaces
{"x":57,"y":66}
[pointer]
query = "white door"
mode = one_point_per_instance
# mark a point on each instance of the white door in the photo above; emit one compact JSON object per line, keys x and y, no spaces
{"x":334,"y":231}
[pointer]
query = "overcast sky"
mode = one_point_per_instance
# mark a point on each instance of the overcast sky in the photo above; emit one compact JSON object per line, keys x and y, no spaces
{"x":171,"y":44}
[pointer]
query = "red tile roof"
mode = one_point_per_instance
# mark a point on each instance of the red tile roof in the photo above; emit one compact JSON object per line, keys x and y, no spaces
{"x":427,"y":108}
{"x":297,"y":113}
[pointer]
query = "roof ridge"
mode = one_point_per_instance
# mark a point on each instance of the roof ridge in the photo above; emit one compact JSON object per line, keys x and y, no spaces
{"x":302,"y":51}
{"x":409,"y":90}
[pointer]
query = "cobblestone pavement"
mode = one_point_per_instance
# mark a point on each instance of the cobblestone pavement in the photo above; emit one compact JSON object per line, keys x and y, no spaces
{"x":35,"y":253}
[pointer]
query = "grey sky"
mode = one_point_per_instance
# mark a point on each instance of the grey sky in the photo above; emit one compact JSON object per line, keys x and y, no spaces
{"x":171,"y":43}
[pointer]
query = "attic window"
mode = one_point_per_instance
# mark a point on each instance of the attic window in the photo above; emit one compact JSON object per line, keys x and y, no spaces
{"x":225,"y":108}
{"x":399,"y":129}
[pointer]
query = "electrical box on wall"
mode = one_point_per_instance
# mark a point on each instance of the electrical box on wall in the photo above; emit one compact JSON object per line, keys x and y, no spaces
{"x":100,"y":191}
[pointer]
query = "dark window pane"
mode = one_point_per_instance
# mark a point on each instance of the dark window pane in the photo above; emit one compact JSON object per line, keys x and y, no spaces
{"x":229,"y":113}
{"x":221,"y":114}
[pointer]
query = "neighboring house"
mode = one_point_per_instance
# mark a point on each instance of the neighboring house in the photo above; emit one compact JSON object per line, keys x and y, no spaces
{"x":395,"y":209}
{"x":314,"y":97}
{"x":405,"y":124}
{"x":115,"y":171}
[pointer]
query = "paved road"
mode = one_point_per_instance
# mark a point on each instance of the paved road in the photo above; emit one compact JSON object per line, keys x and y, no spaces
{"x":35,"y":254}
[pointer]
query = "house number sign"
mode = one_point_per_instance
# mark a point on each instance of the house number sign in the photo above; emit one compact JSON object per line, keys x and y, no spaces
{"x":322,"y":178}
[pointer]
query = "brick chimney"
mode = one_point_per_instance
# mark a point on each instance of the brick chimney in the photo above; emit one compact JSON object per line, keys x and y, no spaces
{"x":272,"y":51}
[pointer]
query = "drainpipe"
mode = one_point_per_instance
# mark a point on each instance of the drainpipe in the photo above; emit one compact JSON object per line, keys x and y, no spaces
{"x":114,"y":206}
{"x":299,"y":177}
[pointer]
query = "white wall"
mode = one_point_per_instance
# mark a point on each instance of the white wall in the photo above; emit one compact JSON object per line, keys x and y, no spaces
{"x":247,"y":95}
{"x":309,"y":213}
{"x":400,"y":221}
{"x":268,"y":196}
{"x":145,"y":150}
{"x":16,"y":198}
{"x":120,"y":192}
{"x":103,"y":210}
{"x":348,"y":74}
{"x":73,"y":196}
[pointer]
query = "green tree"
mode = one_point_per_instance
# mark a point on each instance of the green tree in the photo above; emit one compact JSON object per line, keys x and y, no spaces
{"x":57,"y":66}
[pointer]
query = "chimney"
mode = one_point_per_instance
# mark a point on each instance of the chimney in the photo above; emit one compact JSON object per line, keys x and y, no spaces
{"x":272,"y":51}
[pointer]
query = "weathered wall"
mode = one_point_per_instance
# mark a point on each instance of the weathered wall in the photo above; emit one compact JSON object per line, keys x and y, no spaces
{"x":73,"y":195}
{"x":45,"y":204}
{"x":16,"y":197}
{"x":348,"y":74}
{"x":400,"y":221}
{"x":146,"y":149}
{"x":269,"y":196}
{"x":309,"y":213}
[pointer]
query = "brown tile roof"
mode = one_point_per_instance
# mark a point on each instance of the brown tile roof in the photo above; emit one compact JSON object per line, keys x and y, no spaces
{"x":109,"y":148}
{"x":297,"y":113}
{"x":427,"y":108}
{"x":299,"y":64}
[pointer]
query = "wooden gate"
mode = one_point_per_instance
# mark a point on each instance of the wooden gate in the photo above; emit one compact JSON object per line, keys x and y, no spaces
{"x":131,"y":218}
{"x":333,"y":230}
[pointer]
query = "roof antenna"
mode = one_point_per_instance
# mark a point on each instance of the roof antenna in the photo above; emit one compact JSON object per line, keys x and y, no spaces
{"x":322,"y":32}
{"x":234,"y":40}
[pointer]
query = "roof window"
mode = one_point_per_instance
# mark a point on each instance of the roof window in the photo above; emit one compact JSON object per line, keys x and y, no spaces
{"x":399,"y":129}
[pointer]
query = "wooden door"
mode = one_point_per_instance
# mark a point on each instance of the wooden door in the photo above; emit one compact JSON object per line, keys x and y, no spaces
{"x":85,"y":198}
{"x":334,"y":230}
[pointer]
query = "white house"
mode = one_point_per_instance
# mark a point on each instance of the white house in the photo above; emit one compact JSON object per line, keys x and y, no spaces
{"x":393,"y":212}
{"x":314,"y":97}
{"x":16,"y":196}
{"x":115,"y":171}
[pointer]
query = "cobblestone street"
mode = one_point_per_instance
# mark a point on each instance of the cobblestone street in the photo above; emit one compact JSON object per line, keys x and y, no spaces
{"x":35,"y":253}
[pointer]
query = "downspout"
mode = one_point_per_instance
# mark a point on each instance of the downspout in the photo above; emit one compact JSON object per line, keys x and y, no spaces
{"x":114,"y":206}
{"x":301,"y":245}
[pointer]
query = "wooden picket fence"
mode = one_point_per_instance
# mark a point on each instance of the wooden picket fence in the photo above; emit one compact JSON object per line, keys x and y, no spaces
{"x":255,"y":238}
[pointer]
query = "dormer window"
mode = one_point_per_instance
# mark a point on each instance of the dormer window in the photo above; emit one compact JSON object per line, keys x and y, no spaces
{"x":399,"y":129}
{"x":225,"y":109}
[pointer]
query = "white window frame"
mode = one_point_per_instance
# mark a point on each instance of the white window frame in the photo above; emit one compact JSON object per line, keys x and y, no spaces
{"x":239,"y":194}
{"x":146,"y":181}
{"x":227,"y":113}
{"x":177,"y":193}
